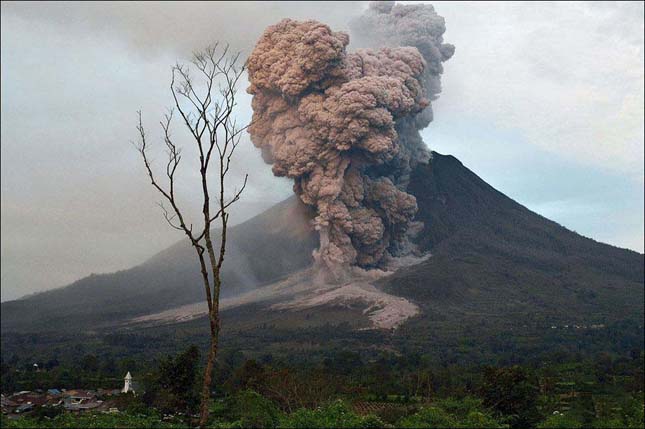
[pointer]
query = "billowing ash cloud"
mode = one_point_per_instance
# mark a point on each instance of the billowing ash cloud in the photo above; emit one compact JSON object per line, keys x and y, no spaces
{"x":345,"y":126}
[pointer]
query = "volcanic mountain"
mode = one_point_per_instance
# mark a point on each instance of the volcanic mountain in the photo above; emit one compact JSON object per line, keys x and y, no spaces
{"x":491,"y":265}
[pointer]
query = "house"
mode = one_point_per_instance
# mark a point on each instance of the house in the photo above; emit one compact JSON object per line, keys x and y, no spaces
{"x":84,"y":406}
{"x":77,"y":396}
{"x":75,"y":400}
{"x":27,"y":397}
{"x":80,"y":400}
{"x":101,"y":393}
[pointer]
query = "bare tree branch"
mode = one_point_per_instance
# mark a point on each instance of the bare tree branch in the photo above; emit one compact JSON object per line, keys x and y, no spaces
{"x":206,"y":107}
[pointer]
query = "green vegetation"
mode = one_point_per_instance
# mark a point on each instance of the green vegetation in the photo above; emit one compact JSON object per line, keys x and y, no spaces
{"x":173,"y":386}
{"x":92,"y":420}
{"x":512,"y":392}
{"x":348,"y":390}
{"x":249,"y":409}
{"x":453,"y":413}
{"x":334,"y":415}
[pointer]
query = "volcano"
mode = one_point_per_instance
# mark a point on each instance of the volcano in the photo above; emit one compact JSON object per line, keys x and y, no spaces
{"x":490,"y":264}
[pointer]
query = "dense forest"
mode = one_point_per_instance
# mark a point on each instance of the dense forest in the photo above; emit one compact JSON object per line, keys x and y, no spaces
{"x":345,"y":389}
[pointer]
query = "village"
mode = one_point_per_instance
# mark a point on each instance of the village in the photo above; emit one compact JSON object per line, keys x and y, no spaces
{"x":52,"y":401}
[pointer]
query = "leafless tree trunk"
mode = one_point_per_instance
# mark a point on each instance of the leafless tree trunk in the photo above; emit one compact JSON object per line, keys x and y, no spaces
{"x":206,"y":107}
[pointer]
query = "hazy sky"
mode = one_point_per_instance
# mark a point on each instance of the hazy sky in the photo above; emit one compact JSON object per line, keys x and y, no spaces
{"x":544,"y":101}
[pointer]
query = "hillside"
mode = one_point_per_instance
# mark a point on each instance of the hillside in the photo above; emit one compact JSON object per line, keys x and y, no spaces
{"x":260,"y":250}
{"x":499,"y":276}
{"x":493,"y":255}
{"x":502,"y":283}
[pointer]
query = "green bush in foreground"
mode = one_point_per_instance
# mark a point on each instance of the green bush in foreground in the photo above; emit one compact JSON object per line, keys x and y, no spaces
{"x":452,"y":413}
{"x":250,"y":409}
{"x":335,"y":415}
{"x":560,"y":421}
{"x":68,"y":420}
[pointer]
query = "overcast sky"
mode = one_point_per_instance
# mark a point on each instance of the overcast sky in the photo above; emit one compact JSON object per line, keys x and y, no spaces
{"x":544,"y":101}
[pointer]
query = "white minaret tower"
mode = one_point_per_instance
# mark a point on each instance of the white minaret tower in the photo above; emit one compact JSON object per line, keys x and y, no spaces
{"x":127,"y":387}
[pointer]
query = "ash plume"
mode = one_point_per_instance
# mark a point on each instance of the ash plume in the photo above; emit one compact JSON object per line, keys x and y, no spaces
{"x":345,"y":126}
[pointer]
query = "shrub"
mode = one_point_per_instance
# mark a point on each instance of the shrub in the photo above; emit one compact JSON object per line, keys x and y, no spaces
{"x":251,"y":409}
{"x":392,"y":415}
{"x":429,"y":417}
{"x":335,"y":415}
{"x":90,"y":420}
{"x":452,"y":413}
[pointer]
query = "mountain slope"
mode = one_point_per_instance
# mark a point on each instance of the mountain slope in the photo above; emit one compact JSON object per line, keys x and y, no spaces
{"x":482,"y":241}
{"x":260,"y":250}
{"x":493,"y":260}
{"x":501,"y":281}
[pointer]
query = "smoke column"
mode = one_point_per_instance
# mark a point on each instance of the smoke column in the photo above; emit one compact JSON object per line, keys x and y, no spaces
{"x":345,"y":126}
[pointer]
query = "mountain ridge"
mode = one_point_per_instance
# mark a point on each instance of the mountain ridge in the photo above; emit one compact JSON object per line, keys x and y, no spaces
{"x":480,"y":239}
{"x":171,"y":277}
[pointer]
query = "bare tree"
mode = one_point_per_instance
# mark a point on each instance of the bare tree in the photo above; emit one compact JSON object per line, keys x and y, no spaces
{"x":206,"y":108}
